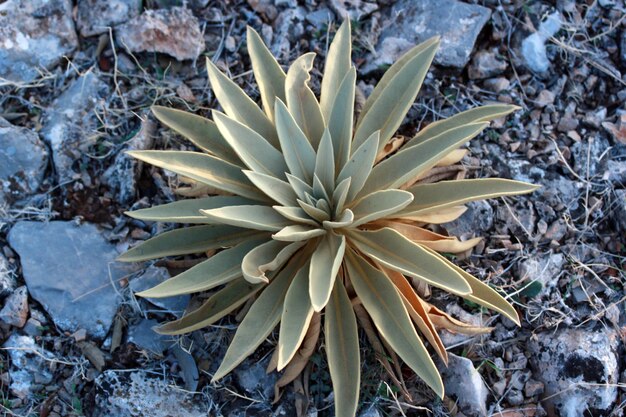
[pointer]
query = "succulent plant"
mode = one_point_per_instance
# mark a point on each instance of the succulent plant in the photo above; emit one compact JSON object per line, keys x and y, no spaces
{"x":318,"y":214}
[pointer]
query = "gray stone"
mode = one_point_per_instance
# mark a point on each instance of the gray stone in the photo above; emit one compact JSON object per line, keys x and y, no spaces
{"x":534,"y":48}
{"x":410,"y":22}
{"x":320,"y":17}
{"x":251,"y":376}
{"x":122,"y":175}
{"x":34,"y":36}
{"x":15,"y":310}
{"x":30,"y":365}
{"x":486,"y":64}
{"x":288,"y":26}
{"x":137,"y":394}
{"x":23,"y":160}
{"x":371,"y":411}
{"x":618,"y":214}
{"x":70,"y":125}
{"x":544,"y":98}
{"x":546,"y":269}
{"x":175,"y":31}
{"x":463,"y":382}
{"x":586,"y":156}
{"x":622,"y":47}
{"x":579,"y":368}
{"x":352,"y":9}
{"x":533,"y":388}
{"x":144,"y":337}
{"x":71,"y":271}
{"x":474,"y":222}
{"x":97,"y":16}
{"x":153,"y":276}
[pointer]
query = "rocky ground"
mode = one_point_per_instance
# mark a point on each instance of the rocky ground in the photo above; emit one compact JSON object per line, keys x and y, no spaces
{"x":76,"y":84}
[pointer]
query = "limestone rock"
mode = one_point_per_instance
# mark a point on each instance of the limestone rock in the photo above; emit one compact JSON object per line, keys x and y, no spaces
{"x":462,"y":381}
{"x":30,"y":365}
{"x":34,"y":36}
{"x":96,"y":16}
{"x":23,"y":160}
{"x":174,"y":31}
{"x":15,"y":310}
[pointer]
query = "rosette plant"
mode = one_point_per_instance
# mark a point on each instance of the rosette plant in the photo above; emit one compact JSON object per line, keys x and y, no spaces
{"x":317,"y":215}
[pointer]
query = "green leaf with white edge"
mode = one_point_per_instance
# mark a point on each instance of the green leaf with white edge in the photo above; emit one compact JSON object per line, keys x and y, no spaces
{"x":295,"y":319}
{"x":336,"y":67}
{"x":323,"y":205}
{"x":340,"y":194}
{"x":189,"y":240}
{"x":257,"y":153}
{"x":296,"y":214}
{"x":409,"y":163}
{"x":325,"y":264}
{"x":219,"y":269}
{"x":345,"y":220}
{"x":278,"y":190}
{"x":298,"y":233}
{"x":220,"y":304}
{"x":384,"y":305}
{"x":186,"y":211}
{"x":390,"y":107}
{"x":297,"y":150}
{"x":203,"y":168}
{"x":395,"y":251}
{"x":201,"y":131}
{"x":301,"y":101}
{"x":268,"y":74}
{"x":299,"y":186}
{"x":341,"y":119}
{"x":268,"y":256}
{"x":319,"y":191}
{"x":479,"y":114}
{"x":250,"y":217}
{"x":314,"y":212}
{"x":444,"y":194}
{"x":239,"y":106}
{"x":325,"y":163}
{"x":263,"y":316}
{"x":359,"y":167}
{"x":482,"y":294}
{"x":391,"y":73}
{"x":380,"y":204}
{"x":341,"y":339}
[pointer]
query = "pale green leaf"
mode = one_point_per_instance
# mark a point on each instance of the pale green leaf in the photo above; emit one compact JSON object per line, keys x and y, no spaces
{"x":297,"y":150}
{"x":482,"y":294}
{"x":263,"y":316}
{"x":268,"y":74}
{"x":296,"y":214}
{"x":250,"y":217}
{"x":186,"y":211}
{"x":278,"y":190}
{"x":239,"y":106}
{"x":219,"y":269}
{"x":325,"y":164}
{"x":379,"y":204}
{"x":345,"y":220}
{"x":325,"y":264}
{"x":189,"y":240}
{"x":301,"y":101}
{"x":389,"y":107}
{"x":220,"y":304}
{"x":445,"y":194}
{"x":341,"y":338}
{"x":386,"y":308}
{"x":257,"y":153}
{"x":342,"y":118}
{"x":266,"y":257}
{"x":201,"y":131}
{"x":314,"y":212}
{"x":359,"y":167}
{"x":340,"y":194}
{"x":336,"y":67}
{"x":410,"y":163}
{"x":479,"y":114}
{"x":396,"y":252}
{"x":298,"y":233}
{"x":299,"y":186}
{"x":296,"y":317}
{"x":203,"y":168}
